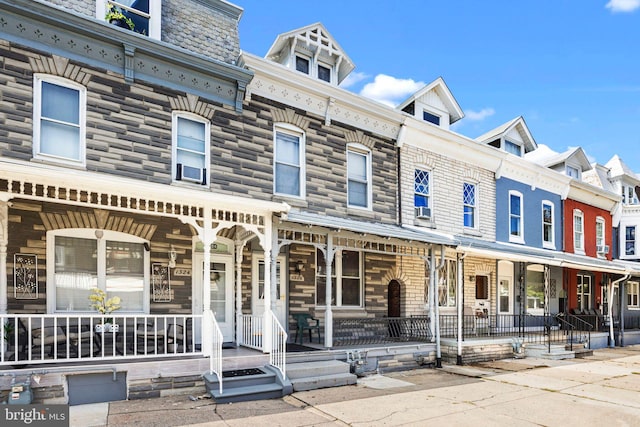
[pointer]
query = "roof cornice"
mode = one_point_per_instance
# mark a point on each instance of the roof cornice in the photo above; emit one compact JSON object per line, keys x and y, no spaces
{"x":594,"y":196}
{"x":90,"y":41}
{"x":524,"y":171}
{"x":279,"y":83}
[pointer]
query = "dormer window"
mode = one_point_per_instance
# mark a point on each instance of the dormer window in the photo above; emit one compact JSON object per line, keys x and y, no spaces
{"x":324,"y":73}
{"x":302,"y":64}
{"x":629,"y":196}
{"x":573,"y":172}
{"x":140,"y":16}
{"x":512,"y":148}
{"x":431,"y":118}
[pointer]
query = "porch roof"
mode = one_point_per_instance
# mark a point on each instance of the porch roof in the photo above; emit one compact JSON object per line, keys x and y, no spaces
{"x":368,"y":227}
{"x":512,"y":252}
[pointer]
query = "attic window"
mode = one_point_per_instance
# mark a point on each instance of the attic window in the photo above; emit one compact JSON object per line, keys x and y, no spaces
{"x":513,"y":148}
{"x":302,"y":64}
{"x":573,"y":172}
{"x":431,"y":118}
{"x":324,"y":73}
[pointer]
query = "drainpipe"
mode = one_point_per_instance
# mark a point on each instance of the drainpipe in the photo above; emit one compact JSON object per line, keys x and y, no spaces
{"x":610,"y":308}
{"x":459,"y":303}
{"x":437,"y":305}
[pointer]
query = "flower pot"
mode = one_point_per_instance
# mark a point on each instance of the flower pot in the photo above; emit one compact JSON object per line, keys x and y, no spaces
{"x":107,"y":327}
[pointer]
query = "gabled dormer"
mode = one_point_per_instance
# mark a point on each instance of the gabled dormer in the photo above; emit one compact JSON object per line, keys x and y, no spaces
{"x":435,"y":104}
{"x":624,"y":180}
{"x":572,"y":163}
{"x":513,"y":137}
{"x":311,"y":50}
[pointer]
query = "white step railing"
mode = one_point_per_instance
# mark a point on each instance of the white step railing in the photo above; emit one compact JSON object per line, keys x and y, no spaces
{"x":278,"y":356}
{"x":215,"y":358}
{"x":56,"y":338}
{"x":252,"y":328}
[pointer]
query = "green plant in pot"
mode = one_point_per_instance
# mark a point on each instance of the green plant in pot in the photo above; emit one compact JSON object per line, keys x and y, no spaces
{"x":115,"y":16}
{"x":8,"y":333}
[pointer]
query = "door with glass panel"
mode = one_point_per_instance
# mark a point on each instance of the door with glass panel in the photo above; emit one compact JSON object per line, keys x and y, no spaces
{"x":220,"y":273}
{"x":257,"y":294}
{"x":505,"y":294}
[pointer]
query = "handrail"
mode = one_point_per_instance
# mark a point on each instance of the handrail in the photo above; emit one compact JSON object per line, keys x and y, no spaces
{"x":582,"y":321}
{"x":278,"y":355}
{"x":215,"y":358}
{"x":565,"y":326}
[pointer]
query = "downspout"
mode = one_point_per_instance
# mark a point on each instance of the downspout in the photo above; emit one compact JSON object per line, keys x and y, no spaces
{"x":610,"y":308}
{"x":437,"y":305}
{"x":459,"y":304}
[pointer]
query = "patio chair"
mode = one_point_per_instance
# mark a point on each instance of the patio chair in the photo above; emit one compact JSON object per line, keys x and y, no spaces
{"x":150,"y":336}
{"x":42,"y":335}
{"x":303,"y":323}
{"x":81,"y":339}
{"x":176,"y":339}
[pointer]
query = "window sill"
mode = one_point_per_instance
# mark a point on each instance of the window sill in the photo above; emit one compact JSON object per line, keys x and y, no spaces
{"x":424,"y":223}
{"x":60,"y":162}
{"x":472,"y":232}
{"x":549,"y":246}
{"x":519,"y":241}
{"x":294,"y":201}
{"x":365,"y":212}
{"x":191,"y":185}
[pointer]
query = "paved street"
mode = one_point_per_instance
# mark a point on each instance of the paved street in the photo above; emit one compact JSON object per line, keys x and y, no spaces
{"x":603,"y":389}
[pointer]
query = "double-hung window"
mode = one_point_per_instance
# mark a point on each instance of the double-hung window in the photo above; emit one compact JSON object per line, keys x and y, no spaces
{"x":633,"y":293}
{"x":346,"y":279}
{"x":79,"y":260}
{"x":59,"y":110}
{"x":515,"y":217}
{"x":584,"y":282}
{"x":578,"y":231}
{"x":600,"y":236}
{"x":191,"y":151}
{"x":289,"y":161}
{"x":630,"y":240}
{"x":470,"y":203}
{"x":142,"y":15}
{"x":447,"y":284}
{"x":359,"y":177}
{"x":422,"y":193}
{"x":548,"y":232}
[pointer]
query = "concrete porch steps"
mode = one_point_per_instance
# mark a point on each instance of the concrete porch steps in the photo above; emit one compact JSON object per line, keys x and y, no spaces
{"x":319,"y":374}
{"x":265,"y":385}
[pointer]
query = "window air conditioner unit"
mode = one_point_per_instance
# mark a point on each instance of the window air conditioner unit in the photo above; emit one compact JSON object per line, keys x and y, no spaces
{"x":189,"y":173}
{"x":423,"y":212}
{"x":604,"y":250}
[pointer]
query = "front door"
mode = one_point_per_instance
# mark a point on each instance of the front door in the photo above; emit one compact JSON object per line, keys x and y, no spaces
{"x":393,"y":295}
{"x":257,"y":294}
{"x":505,"y":294}
{"x":221,"y":296}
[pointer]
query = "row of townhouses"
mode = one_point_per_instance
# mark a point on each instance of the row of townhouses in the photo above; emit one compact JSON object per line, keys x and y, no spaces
{"x":236,"y":208}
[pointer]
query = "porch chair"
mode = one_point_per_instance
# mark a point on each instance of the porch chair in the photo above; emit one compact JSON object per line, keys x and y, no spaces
{"x":81,"y":338}
{"x":177,"y":339}
{"x":43,"y":334}
{"x":150,"y":336}
{"x":303,"y":323}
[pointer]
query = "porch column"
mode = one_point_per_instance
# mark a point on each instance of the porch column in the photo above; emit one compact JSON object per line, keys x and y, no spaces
{"x":4,"y":215}
{"x":239,"y":247}
{"x":328,"y":315}
{"x":267,"y":327}
{"x":459,"y":306}
{"x":436,"y":277}
{"x":621,"y":309}
{"x":207,"y":331}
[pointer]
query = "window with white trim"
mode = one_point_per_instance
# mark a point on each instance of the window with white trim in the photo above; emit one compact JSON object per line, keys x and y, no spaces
{"x":578,"y":231}
{"x":600,"y":236}
{"x":448,"y":283}
{"x":629,"y":196}
{"x":289,"y":170}
{"x":516,"y":214}
{"x":191,"y":147}
{"x":633,"y":293}
{"x":346,"y":279}
{"x":140,"y":16}
{"x":584,"y":291}
{"x":548,"y":230}
{"x":79,"y":260}
{"x":630,"y":240}
{"x":358,"y":177}
{"x":573,"y":172}
{"x":314,"y":68}
{"x":430,"y":117}
{"x":470,"y":203}
{"x":59,"y":110}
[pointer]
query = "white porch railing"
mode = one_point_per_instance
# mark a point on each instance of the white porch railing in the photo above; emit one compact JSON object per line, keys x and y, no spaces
{"x":45,"y":338}
{"x":278,"y":356}
{"x":215,"y":359}
{"x":252,"y":331}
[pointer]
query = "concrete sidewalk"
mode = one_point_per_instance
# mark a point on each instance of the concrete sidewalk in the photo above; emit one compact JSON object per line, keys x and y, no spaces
{"x":601,"y":389}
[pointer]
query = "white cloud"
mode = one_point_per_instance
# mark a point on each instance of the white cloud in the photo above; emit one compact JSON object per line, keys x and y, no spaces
{"x":623,"y":5}
{"x":390,"y":90}
{"x":479,"y":115}
{"x":352,"y":79}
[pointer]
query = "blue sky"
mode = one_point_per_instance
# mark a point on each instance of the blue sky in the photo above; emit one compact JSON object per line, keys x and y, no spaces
{"x":571,"y":68}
